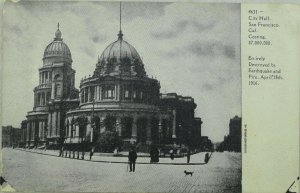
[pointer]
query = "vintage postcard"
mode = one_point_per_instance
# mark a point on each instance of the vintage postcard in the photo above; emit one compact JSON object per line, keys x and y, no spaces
{"x":101,"y":96}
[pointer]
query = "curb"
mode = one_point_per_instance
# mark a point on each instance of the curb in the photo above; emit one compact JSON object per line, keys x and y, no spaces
{"x":116,"y":162}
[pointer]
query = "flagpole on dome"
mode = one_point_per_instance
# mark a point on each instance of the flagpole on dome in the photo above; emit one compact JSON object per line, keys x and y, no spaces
{"x":120,"y":35}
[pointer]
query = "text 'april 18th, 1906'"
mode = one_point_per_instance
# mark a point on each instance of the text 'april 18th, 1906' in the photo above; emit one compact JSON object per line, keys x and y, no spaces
{"x":261,"y":69}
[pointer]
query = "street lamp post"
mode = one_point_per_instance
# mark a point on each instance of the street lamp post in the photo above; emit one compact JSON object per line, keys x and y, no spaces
{"x":92,"y":121}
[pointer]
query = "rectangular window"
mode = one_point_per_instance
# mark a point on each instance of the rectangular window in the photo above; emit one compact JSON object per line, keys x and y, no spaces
{"x":108,"y":92}
{"x":126,"y":93}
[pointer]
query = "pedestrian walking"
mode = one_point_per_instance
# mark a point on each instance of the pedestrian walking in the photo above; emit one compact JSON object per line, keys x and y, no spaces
{"x":188,"y":156}
{"x":61,"y":150}
{"x":172,"y":154}
{"x":152,"y":155}
{"x":156,"y":155}
{"x":206,"y":158}
{"x":132,"y":156}
{"x":92,"y":152}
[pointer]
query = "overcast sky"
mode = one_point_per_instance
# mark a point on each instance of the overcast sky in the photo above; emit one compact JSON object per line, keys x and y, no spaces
{"x":193,"y":49}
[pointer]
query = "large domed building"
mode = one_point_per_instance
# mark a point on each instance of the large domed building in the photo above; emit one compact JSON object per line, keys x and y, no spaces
{"x":54,"y":95}
{"x":119,"y":98}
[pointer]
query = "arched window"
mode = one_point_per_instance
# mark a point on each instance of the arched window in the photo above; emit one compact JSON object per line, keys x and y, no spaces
{"x":110,"y":123}
{"x":86,"y":94}
{"x":57,"y":77}
{"x":142,"y":130}
{"x":82,"y":95}
{"x":57,"y":90}
{"x":39,"y":99}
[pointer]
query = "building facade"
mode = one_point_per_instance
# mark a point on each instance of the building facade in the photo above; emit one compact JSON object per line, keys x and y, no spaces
{"x":232,"y":142}
{"x":119,"y":97}
{"x":11,"y":136}
{"x":54,"y":95}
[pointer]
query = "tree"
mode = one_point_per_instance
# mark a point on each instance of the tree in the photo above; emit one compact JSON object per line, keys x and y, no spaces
{"x":108,"y":141}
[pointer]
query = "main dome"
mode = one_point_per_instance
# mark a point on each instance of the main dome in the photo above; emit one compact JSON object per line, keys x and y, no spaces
{"x":120,"y":59}
{"x":120,"y":49}
{"x":57,"y":48}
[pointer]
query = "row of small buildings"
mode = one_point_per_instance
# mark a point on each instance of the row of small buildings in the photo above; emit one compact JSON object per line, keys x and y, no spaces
{"x":232,"y":141}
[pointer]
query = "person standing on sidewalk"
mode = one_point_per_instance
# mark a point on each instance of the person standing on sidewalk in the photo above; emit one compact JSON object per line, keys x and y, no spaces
{"x":188,"y":156}
{"x":132,"y":156}
{"x":92,"y":152}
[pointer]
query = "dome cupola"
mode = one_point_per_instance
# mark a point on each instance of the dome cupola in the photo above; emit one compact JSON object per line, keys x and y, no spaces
{"x":57,"y":50}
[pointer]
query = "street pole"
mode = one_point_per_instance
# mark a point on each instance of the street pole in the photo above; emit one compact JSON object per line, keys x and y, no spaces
{"x":92,"y":120}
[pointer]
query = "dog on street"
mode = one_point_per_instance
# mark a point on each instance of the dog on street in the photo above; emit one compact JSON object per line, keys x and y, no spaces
{"x":188,"y":173}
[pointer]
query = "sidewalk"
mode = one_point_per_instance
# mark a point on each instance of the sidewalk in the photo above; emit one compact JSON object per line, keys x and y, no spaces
{"x":196,"y":159}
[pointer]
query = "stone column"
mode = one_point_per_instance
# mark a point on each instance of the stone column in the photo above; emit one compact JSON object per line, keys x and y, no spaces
{"x":49,"y":125}
{"x":40,"y":129}
{"x":174,"y":125}
{"x":97,"y":93}
{"x":115,"y":92}
{"x":66,"y":128}
{"x":45,"y":98}
{"x":58,"y":124}
{"x":52,"y":90}
{"x":118,"y":92}
{"x":32,"y":130}
{"x":89,"y":94}
{"x":119,"y":126}
{"x":43,"y":131}
{"x":83,"y":94}
{"x":27,"y":132}
{"x":54,"y":123}
{"x":70,"y":127}
{"x":100,"y":93}
{"x":134,"y":129}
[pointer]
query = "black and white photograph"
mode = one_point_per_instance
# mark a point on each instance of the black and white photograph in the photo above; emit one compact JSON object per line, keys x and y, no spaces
{"x":121,"y":97}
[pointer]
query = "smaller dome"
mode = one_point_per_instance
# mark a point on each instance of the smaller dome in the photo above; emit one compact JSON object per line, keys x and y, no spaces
{"x":57,"y":48}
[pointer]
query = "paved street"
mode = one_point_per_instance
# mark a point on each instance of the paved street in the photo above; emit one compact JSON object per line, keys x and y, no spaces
{"x":31,"y":171}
